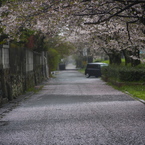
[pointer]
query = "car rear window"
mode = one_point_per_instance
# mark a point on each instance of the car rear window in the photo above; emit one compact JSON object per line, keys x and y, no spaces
{"x":93,"y":66}
{"x":104,"y":65}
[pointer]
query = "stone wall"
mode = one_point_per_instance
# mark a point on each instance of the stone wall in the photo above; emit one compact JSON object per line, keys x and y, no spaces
{"x":11,"y":86}
{"x":5,"y":83}
{"x":38,"y":75}
{"x":17,"y":85}
{"x":24,"y":70}
{"x":29,"y":80}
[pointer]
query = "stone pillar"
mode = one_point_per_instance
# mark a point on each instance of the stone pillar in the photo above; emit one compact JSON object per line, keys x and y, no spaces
{"x":4,"y":73}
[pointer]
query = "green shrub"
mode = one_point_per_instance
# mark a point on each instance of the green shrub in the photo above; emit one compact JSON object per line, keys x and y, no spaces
{"x":53,"y":59}
{"x":125,"y":74}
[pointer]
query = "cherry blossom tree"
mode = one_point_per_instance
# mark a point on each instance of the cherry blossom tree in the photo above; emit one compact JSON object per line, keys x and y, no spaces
{"x":113,"y":25}
{"x":129,"y":12}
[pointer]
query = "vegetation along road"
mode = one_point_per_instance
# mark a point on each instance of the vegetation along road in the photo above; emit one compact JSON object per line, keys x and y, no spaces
{"x":74,"y":110}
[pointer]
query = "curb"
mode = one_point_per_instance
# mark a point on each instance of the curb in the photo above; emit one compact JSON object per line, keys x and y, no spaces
{"x":140,"y":100}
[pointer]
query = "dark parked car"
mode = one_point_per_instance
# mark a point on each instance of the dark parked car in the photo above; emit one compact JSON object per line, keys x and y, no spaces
{"x":94,"y":69}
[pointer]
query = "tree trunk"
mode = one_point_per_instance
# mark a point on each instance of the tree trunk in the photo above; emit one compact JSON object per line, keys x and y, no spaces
{"x":127,"y":55}
{"x":136,"y":53}
{"x":115,"y":58}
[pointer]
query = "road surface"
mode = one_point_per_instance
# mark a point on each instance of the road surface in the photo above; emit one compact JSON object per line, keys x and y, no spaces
{"x":74,"y":110}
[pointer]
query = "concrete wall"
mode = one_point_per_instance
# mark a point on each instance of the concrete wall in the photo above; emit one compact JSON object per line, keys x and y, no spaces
{"x":29,"y":61}
{"x":4,"y":57}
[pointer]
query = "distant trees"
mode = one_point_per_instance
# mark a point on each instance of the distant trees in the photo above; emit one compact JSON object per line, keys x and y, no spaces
{"x":57,"y":49}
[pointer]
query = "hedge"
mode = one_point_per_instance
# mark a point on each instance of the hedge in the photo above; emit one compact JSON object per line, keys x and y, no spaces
{"x":125,"y":74}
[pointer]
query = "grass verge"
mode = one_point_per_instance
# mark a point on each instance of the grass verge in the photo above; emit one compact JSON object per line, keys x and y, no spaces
{"x":35,"y":89}
{"x":137,"y":91}
{"x":82,"y":70}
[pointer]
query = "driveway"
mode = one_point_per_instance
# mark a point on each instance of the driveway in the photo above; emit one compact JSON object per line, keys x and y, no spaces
{"x":74,"y":110}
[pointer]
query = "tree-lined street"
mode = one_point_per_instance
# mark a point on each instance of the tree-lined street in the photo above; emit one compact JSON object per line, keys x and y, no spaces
{"x":36,"y":38}
{"x":74,"y":110}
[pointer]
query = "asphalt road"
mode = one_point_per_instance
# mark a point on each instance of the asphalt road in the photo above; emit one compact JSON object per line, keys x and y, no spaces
{"x":74,"y":110}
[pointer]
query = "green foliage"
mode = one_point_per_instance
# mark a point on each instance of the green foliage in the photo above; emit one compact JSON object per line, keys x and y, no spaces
{"x":133,"y":79}
{"x":15,"y":44}
{"x":30,"y":40}
{"x":125,"y":74}
{"x":63,"y":48}
{"x":39,"y":42}
{"x":122,"y":62}
{"x":98,"y":60}
{"x":105,"y":61}
{"x":82,"y":70}
{"x":3,"y":36}
{"x":53,"y":59}
{"x":132,"y":74}
{"x":35,"y":89}
{"x":57,"y":50}
{"x":25,"y":34}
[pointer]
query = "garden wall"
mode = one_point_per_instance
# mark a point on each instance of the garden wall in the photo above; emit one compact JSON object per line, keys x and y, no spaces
{"x":20,"y":69}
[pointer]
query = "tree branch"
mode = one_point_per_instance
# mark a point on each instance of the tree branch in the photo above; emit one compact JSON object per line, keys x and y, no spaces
{"x":127,"y":28}
{"x":115,"y":14}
